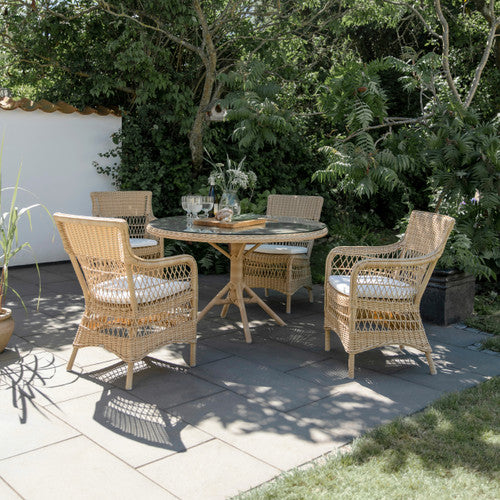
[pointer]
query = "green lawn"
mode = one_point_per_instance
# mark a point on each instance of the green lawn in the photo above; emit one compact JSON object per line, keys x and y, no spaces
{"x":449,"y":450}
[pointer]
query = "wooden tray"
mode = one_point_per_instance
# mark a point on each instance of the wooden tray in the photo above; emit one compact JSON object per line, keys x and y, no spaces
{"x":212,"y":222}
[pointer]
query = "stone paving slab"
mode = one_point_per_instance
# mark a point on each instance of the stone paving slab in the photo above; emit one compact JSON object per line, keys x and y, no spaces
{"x":267,"y":434}
{"x":6,"y":492}
{"x":245,"y":413}
{"x":77,"y":469}
{"x":178,"y":354}
{"x":452,"y":335}
{"x":357,"y":407}
{"x":31,"y":322}
{"x":25,"y":425}
{"x":167,"y":385}
{"x":267,"y":352}
{"x":372,"y":391}
{"x":136,"y":431}
{"x":306,"y":333}
{"x":42,"y":374}
{"x":261,"y":384}
{"x":445,"y":355}
{"x":58,"y":304}
{"x":203,"y":471}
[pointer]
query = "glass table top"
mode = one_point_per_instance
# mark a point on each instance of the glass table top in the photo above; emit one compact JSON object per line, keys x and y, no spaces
{"x":273,"y":226}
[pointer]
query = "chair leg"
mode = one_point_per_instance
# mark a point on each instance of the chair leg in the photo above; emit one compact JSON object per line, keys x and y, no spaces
{"x":432,"y":368}
{"x":288,"y":304}
{"x":350,"y":366}
{"x":130,"y":374}
{"x":327,"y":339}
{"x":72,"y":359}
{"x":192,"y":354}
{"x":266,"y":292}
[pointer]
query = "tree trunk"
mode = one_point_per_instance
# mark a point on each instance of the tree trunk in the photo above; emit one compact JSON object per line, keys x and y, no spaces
{"x":210,"y":62}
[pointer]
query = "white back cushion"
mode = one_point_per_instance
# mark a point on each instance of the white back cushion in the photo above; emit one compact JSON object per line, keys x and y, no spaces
{"x":376,"y":287}
{"x":146,"y":289}
{"x":142,"y":242}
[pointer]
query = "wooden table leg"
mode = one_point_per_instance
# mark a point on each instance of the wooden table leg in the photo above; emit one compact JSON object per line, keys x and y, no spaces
{"x":235,"y":289}
{"x":216,"y":300}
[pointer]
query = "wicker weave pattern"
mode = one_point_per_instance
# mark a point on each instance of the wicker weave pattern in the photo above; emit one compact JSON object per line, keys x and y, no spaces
{"x":397,"y":275}
{"x":132,"y":305}
{"x":136,"y":208}
{"x":285,"y":273}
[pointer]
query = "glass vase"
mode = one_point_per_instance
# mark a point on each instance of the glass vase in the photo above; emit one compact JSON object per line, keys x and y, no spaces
{"x":230,"y":200}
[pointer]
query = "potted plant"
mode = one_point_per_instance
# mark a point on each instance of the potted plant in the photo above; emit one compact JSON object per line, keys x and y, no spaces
{"x":449,"y":297}
{"x":9,"y":247}
{"x":463,"y":154}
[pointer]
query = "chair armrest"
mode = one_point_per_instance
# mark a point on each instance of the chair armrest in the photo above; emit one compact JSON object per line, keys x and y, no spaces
{"x":341,"y":260}
{"x":173,"y":260}
{"x":397,"y":279}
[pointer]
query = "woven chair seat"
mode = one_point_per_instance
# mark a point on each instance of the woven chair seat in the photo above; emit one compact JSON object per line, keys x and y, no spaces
{"x":146,"y":288}
{"x":279,"y":249}
{"x":374,"y":287}
{"x":143,"y":242}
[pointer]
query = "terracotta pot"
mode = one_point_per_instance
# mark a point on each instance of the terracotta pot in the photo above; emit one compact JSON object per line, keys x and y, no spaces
{"x":6,"y":327}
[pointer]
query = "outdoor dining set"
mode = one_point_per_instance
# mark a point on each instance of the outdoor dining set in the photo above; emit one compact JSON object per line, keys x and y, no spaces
{"x":137,"y":300}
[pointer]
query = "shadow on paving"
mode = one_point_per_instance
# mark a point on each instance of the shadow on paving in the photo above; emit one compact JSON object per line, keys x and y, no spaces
{"x":283,"y":392}
{"x":141,"y":414}
{"x":25,"y":374}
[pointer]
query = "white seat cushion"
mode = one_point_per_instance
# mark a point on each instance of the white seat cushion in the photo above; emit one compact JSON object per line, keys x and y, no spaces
{"x":147,"y":289}
{"x":142,"y":242}
{"x":279,"y":249}
{"x":376,"y":287}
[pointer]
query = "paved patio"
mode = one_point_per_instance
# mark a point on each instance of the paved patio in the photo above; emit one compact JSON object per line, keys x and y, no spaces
{"x":245,"y":414}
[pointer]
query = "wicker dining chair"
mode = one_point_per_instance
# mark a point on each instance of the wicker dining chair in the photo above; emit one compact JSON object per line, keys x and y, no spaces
{"x":372,"y":294}
{"x":133,"y":306}
{"x":136,"y":208}
{"x":284,"y":267}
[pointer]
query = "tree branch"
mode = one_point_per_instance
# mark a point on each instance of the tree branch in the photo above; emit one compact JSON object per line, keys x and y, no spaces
{"x":418,"y":14}
{"x":494,"y":23}
{"x":446,"y":51}
{"x":389,"y":122}
{"x":174,"y":38}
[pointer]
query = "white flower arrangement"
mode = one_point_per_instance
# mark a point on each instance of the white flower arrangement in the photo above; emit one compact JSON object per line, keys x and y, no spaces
{"x":232,"y":177}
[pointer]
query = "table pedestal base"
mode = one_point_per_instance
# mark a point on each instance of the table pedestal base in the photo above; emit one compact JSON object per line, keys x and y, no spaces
{"x":233,"y":292}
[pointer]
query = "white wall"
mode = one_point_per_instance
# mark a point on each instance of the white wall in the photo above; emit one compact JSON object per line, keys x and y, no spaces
{"x":56,"y":151}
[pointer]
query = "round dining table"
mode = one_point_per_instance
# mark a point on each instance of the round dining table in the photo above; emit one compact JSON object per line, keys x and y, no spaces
{"x":241,"y":241}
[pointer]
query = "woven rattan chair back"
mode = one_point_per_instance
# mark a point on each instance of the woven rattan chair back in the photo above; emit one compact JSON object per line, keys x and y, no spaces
{"x":98,"y":248}
{"x":285,"y":273}
{"x":133,"y":306}
{"x":133,"y":206}
{"x":287,"y":205}
{"x":426,"y":234}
